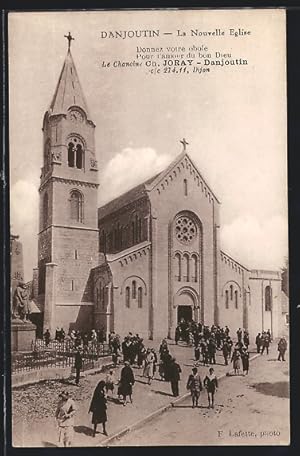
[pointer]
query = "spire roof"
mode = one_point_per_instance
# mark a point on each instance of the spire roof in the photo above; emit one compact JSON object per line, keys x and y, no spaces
{"x":68,"y":91}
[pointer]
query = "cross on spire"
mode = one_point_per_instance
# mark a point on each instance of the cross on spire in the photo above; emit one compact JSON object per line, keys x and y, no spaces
{"x":69,"y":38}
{"x":184,"y":143}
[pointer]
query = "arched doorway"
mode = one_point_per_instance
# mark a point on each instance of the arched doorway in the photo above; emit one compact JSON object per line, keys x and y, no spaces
{"x":186,"y":305}
{"x":184,"y":313}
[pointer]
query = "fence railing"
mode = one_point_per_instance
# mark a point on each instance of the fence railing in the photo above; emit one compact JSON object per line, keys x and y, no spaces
{"x":58,"y":355}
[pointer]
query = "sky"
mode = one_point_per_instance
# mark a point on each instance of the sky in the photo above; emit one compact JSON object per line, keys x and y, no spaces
{"x":234,"y":118}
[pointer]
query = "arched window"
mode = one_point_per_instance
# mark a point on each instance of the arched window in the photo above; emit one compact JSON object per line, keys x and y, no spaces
{"x":178,"y":267}
{"x":231,"y":292}
{"x":194,"y":275}
{"x":185,"y":187}
{"x":127,"y":297}
{"x":75,"y":154}
{"x":140,"y":297}
{"x":79,"y":156}
{"x":133,"y":289}
{"x":185,"y":268}
{"x":45,"y":210}
{"x":76,"y":206}
{"x":71,"y":155}
{"x":236,"y":299}
{"x":268,"y":298}
{"x":226,"y":299}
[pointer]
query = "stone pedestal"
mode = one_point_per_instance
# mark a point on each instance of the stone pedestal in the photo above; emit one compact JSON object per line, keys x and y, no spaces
{"x":22,"y":336}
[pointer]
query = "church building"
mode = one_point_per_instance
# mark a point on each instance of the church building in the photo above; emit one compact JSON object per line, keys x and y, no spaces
{"x":143,"y":261}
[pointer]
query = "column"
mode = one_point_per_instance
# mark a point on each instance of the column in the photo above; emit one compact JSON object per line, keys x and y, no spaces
{"x":50,"y":298}
{"x":35,"y":283}
{"x":108,"y":308}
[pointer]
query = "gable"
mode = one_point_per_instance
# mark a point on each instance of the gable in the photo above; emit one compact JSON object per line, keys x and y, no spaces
{"x":182,"y":163}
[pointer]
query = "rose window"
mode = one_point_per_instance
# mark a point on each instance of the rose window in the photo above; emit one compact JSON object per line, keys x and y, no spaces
{"x":185,"y":229}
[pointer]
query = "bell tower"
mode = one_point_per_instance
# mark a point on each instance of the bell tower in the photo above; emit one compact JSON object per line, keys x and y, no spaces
{"x":68,"y":228}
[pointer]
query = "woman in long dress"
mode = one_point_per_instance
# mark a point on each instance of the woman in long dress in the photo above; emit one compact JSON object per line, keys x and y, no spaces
{"x":236,"y":356}
{"x":211,"y":385}
{"x":98,"y":407}
{"x":149,"y":366}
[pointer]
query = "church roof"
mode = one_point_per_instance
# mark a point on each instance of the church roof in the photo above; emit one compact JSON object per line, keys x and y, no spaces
{"x":68,"y":91}
{"x":141,"y":190}
{"x":123,"y":200}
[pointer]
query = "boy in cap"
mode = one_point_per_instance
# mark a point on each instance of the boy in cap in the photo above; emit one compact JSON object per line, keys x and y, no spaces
{"x":65,"y":419}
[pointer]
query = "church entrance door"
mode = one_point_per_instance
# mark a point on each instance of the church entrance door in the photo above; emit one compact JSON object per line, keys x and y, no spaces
{"x":184,"y":313}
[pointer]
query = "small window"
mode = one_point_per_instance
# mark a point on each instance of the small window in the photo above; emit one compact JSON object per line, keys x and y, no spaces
{"x":76,"y":254}
{"x":268,"y":298}
{"x":45,"y":210}
{"x":185,"y":187}
{"x":140,"y":297}
{"x":127,"y":297}
{"x":133,"y":289}
{"x":186,"y":268}
{"x":231,"y":292}
{"x":178,"y":267}
{"x":236,"y":299}
{"x":72,"y":285}
{"x":76,"y":206}
{"x":226,"y":299}
{"x":194,"y":268}
{"x":287,"y":319}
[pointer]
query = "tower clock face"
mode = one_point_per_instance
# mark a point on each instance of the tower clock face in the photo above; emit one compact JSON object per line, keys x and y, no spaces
{"x":76,"y":116}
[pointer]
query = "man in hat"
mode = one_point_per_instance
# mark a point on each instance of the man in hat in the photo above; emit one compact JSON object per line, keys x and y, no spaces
{"x":64,"y":415}
{"x":78,"y":365}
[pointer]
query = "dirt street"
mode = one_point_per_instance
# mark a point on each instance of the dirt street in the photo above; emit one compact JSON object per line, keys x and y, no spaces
{"x":250,"y":410}
{"x":257,"y":403}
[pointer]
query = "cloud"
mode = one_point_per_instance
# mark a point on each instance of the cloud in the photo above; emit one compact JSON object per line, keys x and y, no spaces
{"x":128,"y":168}
{"x":254,"y":243}
{"x":24,"y":203}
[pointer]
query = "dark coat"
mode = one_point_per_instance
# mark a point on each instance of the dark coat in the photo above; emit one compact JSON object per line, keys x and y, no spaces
{"x":245,"y":361}
{"x":174,"y":372}
{"x":126,"y":381}
{"x":98,"y":407}
{"x":78,"y":361}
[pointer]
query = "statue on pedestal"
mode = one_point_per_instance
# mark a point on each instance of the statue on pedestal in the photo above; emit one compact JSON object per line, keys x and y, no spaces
{"x":20,"y":307}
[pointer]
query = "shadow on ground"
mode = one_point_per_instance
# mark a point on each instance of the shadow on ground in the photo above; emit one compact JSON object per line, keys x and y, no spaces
{"x":83,"y":430}
{"x":278,"y":389}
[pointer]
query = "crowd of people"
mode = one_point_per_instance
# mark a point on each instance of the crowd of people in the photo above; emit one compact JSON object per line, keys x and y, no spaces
{"x":132,"y":353}
{"x":76,"y":338}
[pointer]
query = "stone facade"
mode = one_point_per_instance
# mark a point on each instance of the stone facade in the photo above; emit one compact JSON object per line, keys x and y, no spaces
{"x":144,"y":260}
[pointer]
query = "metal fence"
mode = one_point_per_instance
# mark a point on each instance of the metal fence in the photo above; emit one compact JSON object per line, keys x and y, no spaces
{"x":57,"y":354}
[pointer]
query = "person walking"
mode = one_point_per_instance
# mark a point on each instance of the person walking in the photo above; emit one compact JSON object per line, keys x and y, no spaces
{"x":126,"y":382}
{"x":174,"y":377}
{"x":265,"y":343}
{"x":235,"y":359}
{"x":282,"y":347}
{"x":226,"y":352}
{"x":258,"y":342}
{"x":110,"y":382}
{"x":211,"y":385}
{"x":212,"y":348}
{"x":149,"y":366}
{"x":194,"y":384}
{"x":64,"y":415}
{"x":245,"y":361}
{"x":98,"y":408}
{"x":78,"y":365}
